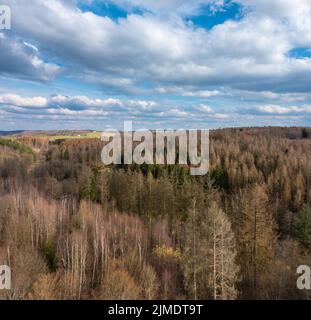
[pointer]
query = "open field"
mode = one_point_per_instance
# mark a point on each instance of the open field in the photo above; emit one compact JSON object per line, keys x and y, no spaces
{"x":52,"y":135}
{"x":81,"y":135}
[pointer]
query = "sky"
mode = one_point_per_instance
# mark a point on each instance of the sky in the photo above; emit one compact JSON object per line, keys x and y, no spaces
{"x":169,"y":64}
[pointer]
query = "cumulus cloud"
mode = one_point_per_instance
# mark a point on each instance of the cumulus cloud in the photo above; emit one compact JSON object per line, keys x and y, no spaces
{"x":280,"y":110}
{"x":272,"y":96}
{"x":83,"y":107}
{"x":204,"y":108}
{"x":251,"y":53}
{"x":295,"y":15}
{"x":188,"y":92}
{"x":202,"y":93}
{"x":293,"y":10}
{"x":159,"y":52}
{"x":19,"y":101}
{"x":74,"y":106}
{"x":207,"y":111}
{"x":20,"y":60}
{"x":82,"y":102}
{"x":173,"y":113}
{"x":72,"y":102}
{"x":85,"y":111}
{"x":65,"y":111}
{"x":248,"y":54}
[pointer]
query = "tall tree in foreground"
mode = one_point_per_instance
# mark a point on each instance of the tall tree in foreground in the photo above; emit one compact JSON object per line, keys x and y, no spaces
{"x":256,"y":240}
{"x":210,"y":269}
{"x":302,"y":226}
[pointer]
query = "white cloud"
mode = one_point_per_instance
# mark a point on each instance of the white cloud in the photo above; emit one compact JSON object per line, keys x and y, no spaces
{"x":19,"y":60}
{"x":269,"y":96}
{"x":173,"y":113}
{"x":202,"y":93}
{"x":276,"y":109}
{"x":65,"y":111}
{"x":17,"y":100}
{"x":207,"y":111}
{"x":83,"y":101}
{"x":204,"y":108}
{"x":247,"y":54}
{"x":155,"y":52}
{"x":188,"y":92}
{"x":295,"y":15}
{"x":33,"y":47}
{"x":293,"y":10}
{"x":76,"y":106}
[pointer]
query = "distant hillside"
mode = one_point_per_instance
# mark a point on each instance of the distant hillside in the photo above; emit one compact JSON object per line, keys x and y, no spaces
{"x":46,"y":133}
{"x":12,"y":133}
{"x":281,"y":132}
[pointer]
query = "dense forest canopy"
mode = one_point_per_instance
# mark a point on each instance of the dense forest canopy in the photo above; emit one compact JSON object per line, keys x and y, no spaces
{"x":72,"y":228}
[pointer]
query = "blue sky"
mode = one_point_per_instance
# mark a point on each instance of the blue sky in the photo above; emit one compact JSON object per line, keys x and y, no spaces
{"x":90,"y":64}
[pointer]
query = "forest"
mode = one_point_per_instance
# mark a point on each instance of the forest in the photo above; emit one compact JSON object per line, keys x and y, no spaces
{"x":72,"y":228}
